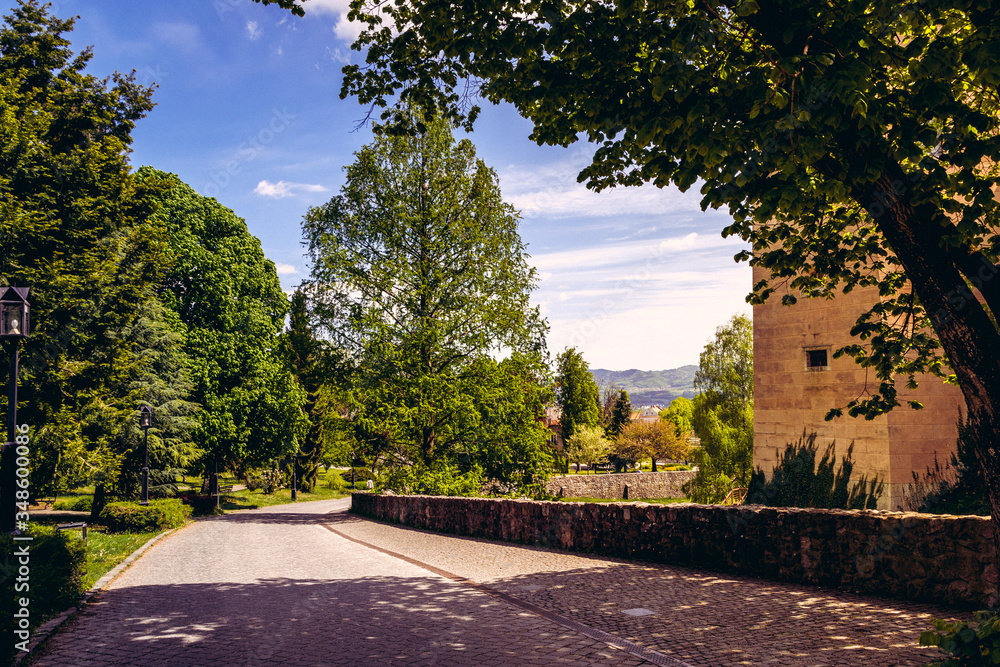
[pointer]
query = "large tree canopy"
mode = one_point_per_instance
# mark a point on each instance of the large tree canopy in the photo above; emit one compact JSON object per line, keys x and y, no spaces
{"x":229,"y":305}
{"x":73,"y":224}
{"x":420,"y":277}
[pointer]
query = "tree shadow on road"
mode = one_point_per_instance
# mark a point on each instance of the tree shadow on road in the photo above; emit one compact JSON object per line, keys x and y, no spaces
{"x":694,"y":615}
{"x":375,"y":621}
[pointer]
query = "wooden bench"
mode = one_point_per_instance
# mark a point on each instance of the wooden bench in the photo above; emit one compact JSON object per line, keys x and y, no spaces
{"x":228,"y":488}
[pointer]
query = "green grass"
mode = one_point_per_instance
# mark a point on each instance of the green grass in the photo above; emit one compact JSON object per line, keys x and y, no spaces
{"x":657,"y":501}
{"x":105,"y":551}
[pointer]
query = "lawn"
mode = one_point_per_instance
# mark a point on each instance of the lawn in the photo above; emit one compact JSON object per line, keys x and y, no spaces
{"x":105,"y":551}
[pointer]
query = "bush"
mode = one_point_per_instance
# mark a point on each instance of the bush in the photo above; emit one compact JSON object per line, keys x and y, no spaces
{"x":267,"y":480}
{"x":57,"y":562}
{"x":335,"y":480}
{"x":970,"y":644}
{"x":136,"y":518}
{"x":443,"y":480}
{"x":201,"y":504}
{"x":78,"y":504}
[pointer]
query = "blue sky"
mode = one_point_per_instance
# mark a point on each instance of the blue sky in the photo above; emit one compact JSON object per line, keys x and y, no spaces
{"x":248,"y":111}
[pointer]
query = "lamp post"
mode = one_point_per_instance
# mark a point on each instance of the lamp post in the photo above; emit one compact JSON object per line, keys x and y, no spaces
{"x":14,"y":325}
{"x":145,"y":422}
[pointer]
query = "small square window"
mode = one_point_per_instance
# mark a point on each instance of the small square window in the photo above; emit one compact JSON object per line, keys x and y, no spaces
{"x":817,"y":359}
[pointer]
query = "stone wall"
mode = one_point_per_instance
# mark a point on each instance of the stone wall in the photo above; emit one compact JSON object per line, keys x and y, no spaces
{"x":640,"y":485}
{"x":942,"y":559}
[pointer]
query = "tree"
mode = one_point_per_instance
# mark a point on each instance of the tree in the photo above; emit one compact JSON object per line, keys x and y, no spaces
{"x":418,"y":277}
{"x":620,"y":414}
{"x":723,"y":412}
{"x":680,"y":413}
{"x":73,"y":220}
{"x":228,"y":303}
{"x":303,"y":353}
{"x":587,"y":445}
{"x":854,"y":145}
{"x":576,"y":393}
{"x":650,"y":439}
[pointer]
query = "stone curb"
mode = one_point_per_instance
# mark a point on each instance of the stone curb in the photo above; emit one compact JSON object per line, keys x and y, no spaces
{"x":48,"y":628}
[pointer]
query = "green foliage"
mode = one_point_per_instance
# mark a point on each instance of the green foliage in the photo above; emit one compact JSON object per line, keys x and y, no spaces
{"x":202,"y":504}
{"x":164,"y":385}
{"x":419,"y":277}
{"x":75,"y":229}
{"x":969,"y":643}
{"x":576,"y":393}
{"x":304,"y":353}
{"x":680,"y":413}
{"x":440,"y":480}
{"x":228,"y":303}
{"x":335,"y":480}
{"x":77,"y":504}
{"x":588,"y":445}
{"x":620,"y":414}
{"x":722,"y":414}
{"x":798,"y":481}
{"x":58,"y":565}
{"x":267,"y":480}
{"x":128,"y":517}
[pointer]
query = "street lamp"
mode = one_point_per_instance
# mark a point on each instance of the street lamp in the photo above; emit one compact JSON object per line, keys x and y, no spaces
{"x":14,"y":325}
{"x":145,"y":423}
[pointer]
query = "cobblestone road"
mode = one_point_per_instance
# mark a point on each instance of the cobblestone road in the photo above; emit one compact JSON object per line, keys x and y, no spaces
{"x":275,"y":587}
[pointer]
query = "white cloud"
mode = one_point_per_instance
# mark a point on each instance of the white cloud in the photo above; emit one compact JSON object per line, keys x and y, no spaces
{"x":253,"y":30}
{"x":285,"y":269}
{"x":185,"y":37}
{"x":283,"y":189}
{"x":634,"y":254}
{"x":551,"y":191}
{"x":343,"y":29}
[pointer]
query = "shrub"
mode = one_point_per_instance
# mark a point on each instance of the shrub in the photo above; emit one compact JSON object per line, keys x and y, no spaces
{"x":335,"y":480}
{"x":136,"y":518}
{"x":57,"y":561}
{"x":201,"y":504}
{"x":78,"y":504}
{"x":267,"y":480}
{"x":971,"y":644}
{"x":443,"y":480}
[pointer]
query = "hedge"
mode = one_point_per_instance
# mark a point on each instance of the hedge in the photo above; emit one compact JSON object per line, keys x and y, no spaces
{"x":50,"y":577}
{"x":135,"y":518}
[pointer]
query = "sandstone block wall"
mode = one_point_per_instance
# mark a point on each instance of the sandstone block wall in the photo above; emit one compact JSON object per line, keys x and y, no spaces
{"x":790,"y":399}
{"x":666,"y":484}
{"x":941,"y":559}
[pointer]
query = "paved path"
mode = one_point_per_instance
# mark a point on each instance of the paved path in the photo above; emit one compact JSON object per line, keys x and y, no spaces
{"x":293,"y":585}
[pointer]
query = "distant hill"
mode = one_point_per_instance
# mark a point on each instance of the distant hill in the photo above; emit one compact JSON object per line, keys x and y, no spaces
{"x":651,"y":387}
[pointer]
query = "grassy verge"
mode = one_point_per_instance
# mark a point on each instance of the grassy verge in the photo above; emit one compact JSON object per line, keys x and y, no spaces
{"x":658,"y":501}
{"x":105,"y":551}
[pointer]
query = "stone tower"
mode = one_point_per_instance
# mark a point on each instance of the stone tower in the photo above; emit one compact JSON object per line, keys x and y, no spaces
{"x":797,"y":380}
